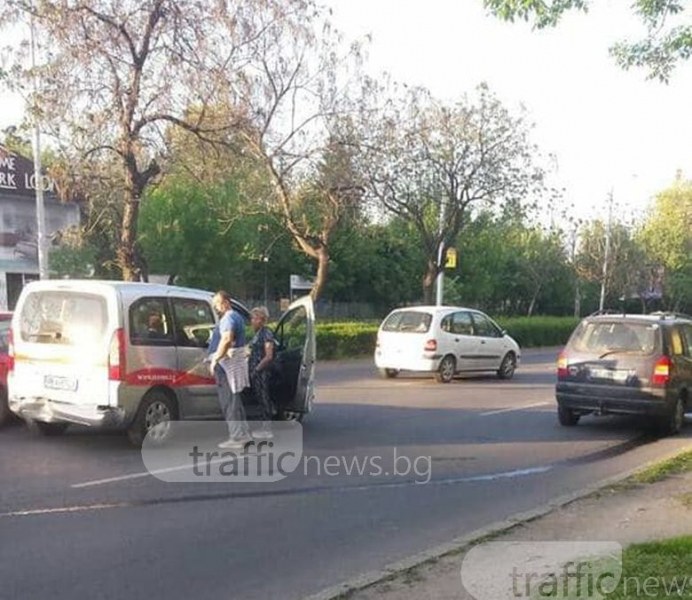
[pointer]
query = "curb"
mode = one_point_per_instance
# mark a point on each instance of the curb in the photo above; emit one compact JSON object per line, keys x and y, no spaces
{"x":365,"y":580}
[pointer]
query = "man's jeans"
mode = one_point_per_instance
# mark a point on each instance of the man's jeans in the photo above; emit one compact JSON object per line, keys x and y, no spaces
{"x":231,"y":406}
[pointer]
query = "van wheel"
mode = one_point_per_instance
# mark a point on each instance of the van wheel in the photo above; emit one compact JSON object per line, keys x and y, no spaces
{"x":445,"y":372}
{"x":672,"y":423}
{"x":566,"y":416}
{"x":389,"y":373}
{"x":5,"y":412}
{"x":153,"y":418}
{"x":47,"y":429}
{"x":508,"y":366}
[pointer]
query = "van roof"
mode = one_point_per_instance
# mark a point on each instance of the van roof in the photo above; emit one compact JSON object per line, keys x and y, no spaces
{"x":132,"y":287}
{"x":434,"y":309}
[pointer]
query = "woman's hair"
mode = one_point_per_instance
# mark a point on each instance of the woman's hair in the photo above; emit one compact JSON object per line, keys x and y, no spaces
{"x":260,"y":311}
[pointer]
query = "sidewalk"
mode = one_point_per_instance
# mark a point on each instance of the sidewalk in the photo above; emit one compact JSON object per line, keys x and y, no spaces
{"x":625,"y":513}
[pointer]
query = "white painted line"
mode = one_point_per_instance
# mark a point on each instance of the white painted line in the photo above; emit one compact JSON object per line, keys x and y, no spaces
{"x":64,"y":509}
{"x":155,"y":472}
{"x":515,"y":408}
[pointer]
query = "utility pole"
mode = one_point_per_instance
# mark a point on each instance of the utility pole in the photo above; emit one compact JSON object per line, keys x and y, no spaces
{"x":606,"y":254}
{"x":440,"y":281}
{"x":38,"y":176}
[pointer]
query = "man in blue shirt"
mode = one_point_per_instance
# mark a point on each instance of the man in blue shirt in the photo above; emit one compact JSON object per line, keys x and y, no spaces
{"x":229,"y":367}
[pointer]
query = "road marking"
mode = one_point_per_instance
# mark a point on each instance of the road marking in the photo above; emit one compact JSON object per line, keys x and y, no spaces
{"x":514,"y":408}
{"x":155,"y":472}
{"x":64,"y":509}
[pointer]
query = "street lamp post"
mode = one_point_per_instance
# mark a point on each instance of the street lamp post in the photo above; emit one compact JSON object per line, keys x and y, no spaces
{"x":606,"y":254}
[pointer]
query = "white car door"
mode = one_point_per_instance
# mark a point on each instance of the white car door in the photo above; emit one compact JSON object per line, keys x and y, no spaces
{"x":465,"y":343}
{"x":490,"y":348}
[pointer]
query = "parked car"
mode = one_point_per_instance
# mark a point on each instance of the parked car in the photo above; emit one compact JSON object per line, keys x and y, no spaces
{"x":444,"y":340}
{"x":131,"y":355}
{"x":5,"y":320}
{"x":630,"y":365}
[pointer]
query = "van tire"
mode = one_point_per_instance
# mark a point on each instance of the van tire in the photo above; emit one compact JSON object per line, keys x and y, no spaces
{"x":389,"y":373}
{"x":5,"y":412}
{"x":46,"y":429}
{"x":672,"y":423}
{"x":566,"y":416}
{"x":508,"y":366}
{"x":156,"y":408}
{"x":447,"y":369}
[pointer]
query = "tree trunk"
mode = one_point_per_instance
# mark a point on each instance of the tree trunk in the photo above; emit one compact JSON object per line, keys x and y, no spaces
{"x":126,"y":250}
{"x":429,"y":283}
{"x":322,"y":271}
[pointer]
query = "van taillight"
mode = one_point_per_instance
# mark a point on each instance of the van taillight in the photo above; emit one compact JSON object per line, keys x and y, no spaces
{"x":562,"y":364}
{"x":661,"y":374}
{"x":116,"y":356}
{"x":10,"y":350}
{"x":430,"y":346}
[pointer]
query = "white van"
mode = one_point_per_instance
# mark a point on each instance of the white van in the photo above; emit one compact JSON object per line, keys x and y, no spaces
{"x":444,"y":340}
{"x":131,"y":355}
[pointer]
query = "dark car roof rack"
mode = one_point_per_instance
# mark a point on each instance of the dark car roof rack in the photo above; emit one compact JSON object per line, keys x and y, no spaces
{"x":606,"y":311}
{"x":665,"y":314}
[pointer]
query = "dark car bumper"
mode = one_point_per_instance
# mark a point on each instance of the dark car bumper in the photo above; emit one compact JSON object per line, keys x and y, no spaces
{"x":604,"y":400}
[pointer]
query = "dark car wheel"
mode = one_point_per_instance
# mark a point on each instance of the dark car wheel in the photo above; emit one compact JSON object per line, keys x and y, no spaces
{"x":47,"y":429}
{"x":5,"y":412}
{"x":290,"y":415}
{"x":672,"y":423}
{"x":155,"y":414}
{"x":389,"y":373}
{"x":566,"y":416}
{"x":508,"y":366}
{"x":446,"y":370}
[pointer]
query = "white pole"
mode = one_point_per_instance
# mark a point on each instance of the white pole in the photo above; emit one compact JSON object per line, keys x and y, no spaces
{"x":440,"y":281}
{"x":606,"y":254}
{"x":38,"y":177}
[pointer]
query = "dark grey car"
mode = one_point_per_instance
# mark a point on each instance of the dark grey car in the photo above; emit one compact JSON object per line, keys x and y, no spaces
{"x":627,"y":364}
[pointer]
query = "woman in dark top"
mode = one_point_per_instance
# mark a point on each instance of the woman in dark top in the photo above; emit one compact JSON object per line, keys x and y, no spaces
{"x":261,"y":356}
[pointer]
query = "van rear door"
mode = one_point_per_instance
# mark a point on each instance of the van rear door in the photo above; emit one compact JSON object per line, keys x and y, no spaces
{"x":61,"y":339}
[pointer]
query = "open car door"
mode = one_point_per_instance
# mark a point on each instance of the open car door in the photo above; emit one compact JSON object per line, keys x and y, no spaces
{"x":293,"y":386}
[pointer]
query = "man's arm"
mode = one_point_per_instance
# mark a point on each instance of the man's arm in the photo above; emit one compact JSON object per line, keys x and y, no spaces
{"x":226,"y":342}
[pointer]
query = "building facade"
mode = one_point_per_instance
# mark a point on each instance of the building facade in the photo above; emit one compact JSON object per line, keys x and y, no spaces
{"x":18,"y":223}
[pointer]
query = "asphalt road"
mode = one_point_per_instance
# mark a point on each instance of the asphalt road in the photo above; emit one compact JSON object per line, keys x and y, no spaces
{"x":80,"y":518}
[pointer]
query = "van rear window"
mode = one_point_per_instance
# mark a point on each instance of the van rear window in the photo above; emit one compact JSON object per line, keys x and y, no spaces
{"x":608,"y":338}
{"x":63,"y":318}
{"x":409,"y":321}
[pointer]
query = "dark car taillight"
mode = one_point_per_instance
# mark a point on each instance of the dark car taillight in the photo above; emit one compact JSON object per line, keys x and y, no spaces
{"x":661,"y":374}
{"x":116,"y":356}
{"x":562,"y":364}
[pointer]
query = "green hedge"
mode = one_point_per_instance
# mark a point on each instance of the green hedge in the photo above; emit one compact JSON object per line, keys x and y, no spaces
{"x":348,"y":339}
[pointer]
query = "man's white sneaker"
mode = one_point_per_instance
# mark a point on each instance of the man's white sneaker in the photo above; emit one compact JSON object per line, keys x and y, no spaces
{"x":235,"y":444}
{"x":263,"y":434}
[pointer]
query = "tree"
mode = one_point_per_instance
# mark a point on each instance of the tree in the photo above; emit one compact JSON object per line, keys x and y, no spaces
{"x":668,"y":39}
{"x":667,"y":237}
{"x":431,"y":164}
{"x":117,"y":75}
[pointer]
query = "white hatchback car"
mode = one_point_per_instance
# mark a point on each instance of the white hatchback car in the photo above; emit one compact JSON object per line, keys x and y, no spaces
{"x":444,"y":340}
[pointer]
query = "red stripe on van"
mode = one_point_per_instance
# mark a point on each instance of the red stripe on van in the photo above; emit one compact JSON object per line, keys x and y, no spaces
{"x":169,"y":377}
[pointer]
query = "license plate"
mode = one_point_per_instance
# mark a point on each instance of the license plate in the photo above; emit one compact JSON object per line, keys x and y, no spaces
{"x":67,"y":384}
{"x":611,"y":374}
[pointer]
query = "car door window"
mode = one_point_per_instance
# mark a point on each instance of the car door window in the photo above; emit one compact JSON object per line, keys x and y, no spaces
{"x":687,"y":337}
{"x":194,"y":322}
{"x":483,"y":327}
{"x":462,"y":323}
{"x":676,"y":347}
{"x":151,"y":323}
{"x":292,"y":331}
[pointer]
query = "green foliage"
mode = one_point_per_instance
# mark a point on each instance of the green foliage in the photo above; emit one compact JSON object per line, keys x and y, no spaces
{"x":543,"y":12}
{"x":530,"y":332}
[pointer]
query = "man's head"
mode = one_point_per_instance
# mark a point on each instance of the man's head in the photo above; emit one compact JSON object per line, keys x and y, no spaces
{"x":222,"y":302}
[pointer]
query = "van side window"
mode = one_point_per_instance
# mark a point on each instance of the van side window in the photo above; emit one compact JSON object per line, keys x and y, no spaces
{"x":687,"y":335}
{"x":462,"y":324}
{"x":484,"y":327}
{"x":194,"y":321}
{"x":150,"y":323}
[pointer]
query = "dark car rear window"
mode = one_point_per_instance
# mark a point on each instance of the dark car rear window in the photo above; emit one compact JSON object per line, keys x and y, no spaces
{"x":605,"y":337}
{"x":50,"y":317}
{"x":411,"y":321}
